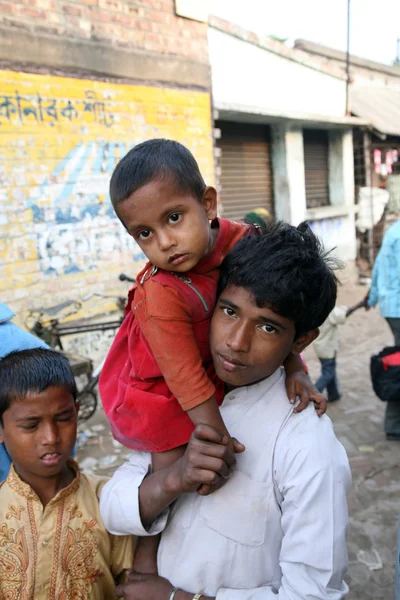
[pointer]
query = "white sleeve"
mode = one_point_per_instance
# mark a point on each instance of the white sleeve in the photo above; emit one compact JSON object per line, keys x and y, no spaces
{"x":119,"y":500}
{"x":313,"y":477}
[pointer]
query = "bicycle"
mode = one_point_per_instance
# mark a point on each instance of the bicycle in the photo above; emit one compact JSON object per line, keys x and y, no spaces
{"x":50,"y":330}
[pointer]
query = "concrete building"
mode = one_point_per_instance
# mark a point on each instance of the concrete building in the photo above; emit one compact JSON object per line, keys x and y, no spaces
{"x":84,"y":80}
{"x":285,"y":142}
{"x":375,"y":97}
{"x":81,"y":83}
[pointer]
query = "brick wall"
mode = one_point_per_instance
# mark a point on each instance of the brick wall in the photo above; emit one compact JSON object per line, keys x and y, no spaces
{"x":81,"y":82}
{"x":60,"y":139}
{"x":144,"y":25}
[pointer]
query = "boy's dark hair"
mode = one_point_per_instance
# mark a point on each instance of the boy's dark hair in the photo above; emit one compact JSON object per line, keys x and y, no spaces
{"x":155,"y":160}
{"x":287,"y":269}
{"x":32,"y":371}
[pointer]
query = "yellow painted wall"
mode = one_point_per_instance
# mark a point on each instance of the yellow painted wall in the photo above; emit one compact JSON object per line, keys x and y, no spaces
{"x":60,"y":139}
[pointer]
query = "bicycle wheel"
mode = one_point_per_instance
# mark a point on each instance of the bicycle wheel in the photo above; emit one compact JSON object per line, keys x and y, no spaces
{"x":87,"y":404}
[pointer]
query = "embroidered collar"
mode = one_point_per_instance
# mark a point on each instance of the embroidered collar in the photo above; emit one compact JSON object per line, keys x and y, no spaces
{"x":25,"y":490}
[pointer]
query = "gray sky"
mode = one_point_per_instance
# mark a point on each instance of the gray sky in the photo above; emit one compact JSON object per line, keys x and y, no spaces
{"x":375,"y":24}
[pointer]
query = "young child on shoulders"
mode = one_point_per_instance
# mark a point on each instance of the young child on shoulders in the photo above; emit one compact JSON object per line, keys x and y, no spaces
{"x":53,"y":543}
{"x":158,"y":381}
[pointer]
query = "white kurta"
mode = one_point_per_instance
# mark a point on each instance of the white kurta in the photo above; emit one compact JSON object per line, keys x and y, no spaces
{"x":276,"y":529}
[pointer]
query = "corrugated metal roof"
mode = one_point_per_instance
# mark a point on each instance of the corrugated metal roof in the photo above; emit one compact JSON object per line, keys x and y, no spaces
{"x":379,"y":105}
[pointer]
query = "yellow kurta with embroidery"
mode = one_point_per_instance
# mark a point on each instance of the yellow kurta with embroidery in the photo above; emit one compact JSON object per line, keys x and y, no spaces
{"x":62,"y":552}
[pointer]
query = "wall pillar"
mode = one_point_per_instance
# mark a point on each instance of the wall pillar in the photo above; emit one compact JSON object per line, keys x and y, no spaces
{"x":288,"y":173}
{"x":341,"y":168}
{"x":341,"y":181}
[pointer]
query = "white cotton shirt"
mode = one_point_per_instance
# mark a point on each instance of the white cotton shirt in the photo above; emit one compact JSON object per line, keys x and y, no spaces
{"x":327,"y":343}
{"x":275,"y":530}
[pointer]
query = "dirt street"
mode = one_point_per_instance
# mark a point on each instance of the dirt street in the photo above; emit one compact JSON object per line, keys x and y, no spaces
{"x":374,"y":500}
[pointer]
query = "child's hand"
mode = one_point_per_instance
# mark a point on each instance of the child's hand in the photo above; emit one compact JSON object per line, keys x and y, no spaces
{"x":299,"y":385}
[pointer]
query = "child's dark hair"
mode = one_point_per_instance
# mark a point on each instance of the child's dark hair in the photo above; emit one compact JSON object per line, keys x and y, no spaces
{"x":156,"y":160}
{"x":287,"y":269}
{"x":32,"y":371}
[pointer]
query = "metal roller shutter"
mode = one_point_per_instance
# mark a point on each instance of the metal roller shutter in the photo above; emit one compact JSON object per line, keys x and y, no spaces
{"x":246,"y":177}
{"x":316,"y":147}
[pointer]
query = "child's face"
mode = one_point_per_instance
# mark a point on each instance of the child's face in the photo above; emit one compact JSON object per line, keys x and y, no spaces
{"x":249,"y":343}
{"x":172,"y":229}
{"x":40,"y":432}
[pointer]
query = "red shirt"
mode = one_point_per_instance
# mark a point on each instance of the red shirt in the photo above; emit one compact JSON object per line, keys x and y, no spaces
{"x":160,"y":365}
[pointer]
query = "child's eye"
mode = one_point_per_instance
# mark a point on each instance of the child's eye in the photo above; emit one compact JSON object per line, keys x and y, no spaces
{"x":145,"y":234}
{"x":65,"y":419}
{"x":268,"y":328}
{"x":175,"y":218}
{"x":29,"y":427}
{"x":228,"y":311}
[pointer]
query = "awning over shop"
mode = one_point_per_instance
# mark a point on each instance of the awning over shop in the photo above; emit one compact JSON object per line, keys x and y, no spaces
{"x":379,"y":105}
{"x":246,"y":114}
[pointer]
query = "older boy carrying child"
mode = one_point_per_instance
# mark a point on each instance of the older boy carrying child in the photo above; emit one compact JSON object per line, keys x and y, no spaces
{"x":158,"y":381}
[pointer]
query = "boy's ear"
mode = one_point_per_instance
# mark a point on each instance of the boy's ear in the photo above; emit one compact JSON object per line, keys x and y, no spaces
{"x":210,"y":202}
{"x":305,"y":340}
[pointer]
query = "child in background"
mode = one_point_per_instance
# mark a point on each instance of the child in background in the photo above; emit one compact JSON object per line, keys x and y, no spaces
{"x":158,"y":381}
{"x":54,"y":544}
{"x":326,"y":347}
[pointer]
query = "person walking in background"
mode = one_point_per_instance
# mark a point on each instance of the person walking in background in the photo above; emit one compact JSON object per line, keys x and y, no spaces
{"x":12,"y":338}
{"x":326,"y":347}
{"x":385,"y":291}
{"x":385,"y":285}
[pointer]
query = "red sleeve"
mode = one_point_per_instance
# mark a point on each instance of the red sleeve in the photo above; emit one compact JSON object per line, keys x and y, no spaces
{"x":166,"y":322}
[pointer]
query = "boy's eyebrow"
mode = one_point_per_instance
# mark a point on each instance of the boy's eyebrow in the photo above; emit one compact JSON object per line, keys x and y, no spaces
{"x":228,"y":303}
{"x":66,"y":411}
{"x":268,"y":320}
{"x":172,"y":209}
{"x":33,"y":418}
{"x":166,"y":212}
{"x":37,"y":418}
{"x":272,"y":322}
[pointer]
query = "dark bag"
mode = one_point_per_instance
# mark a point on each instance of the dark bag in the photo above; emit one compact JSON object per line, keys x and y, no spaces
{"x":385,"y":374}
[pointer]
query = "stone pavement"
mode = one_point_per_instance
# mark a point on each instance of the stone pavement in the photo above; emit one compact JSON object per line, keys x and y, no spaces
{"x":374,"y":500}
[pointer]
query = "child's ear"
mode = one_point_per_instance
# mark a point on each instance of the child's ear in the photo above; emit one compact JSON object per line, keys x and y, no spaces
{"x":305,"y":340}
{"x":210,"y":202}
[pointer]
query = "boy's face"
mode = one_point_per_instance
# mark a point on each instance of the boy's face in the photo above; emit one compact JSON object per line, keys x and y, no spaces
{"x":249,"y":343}
{"x":40,"y":432}
{"x":172,"y":229}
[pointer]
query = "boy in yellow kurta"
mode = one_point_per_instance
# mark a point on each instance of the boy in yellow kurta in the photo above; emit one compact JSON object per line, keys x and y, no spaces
{"x":53,"y":545}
